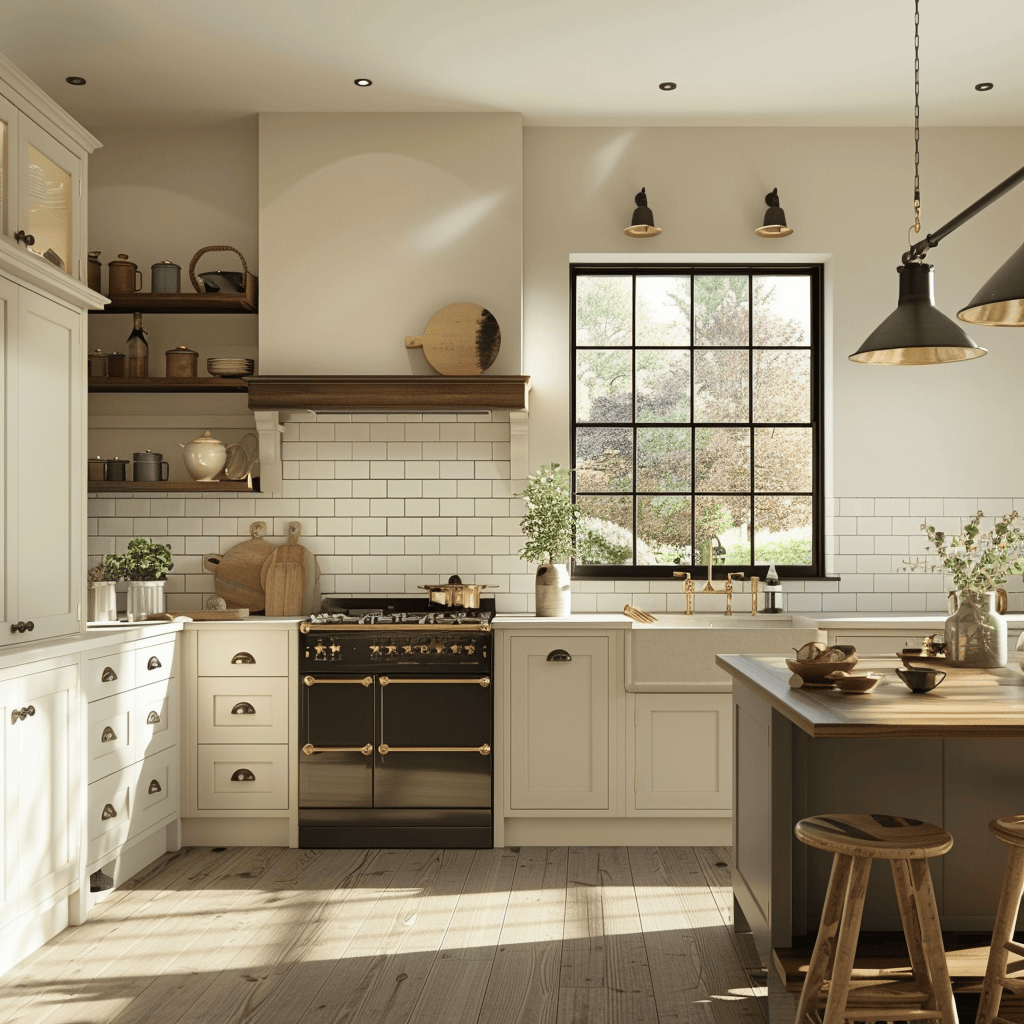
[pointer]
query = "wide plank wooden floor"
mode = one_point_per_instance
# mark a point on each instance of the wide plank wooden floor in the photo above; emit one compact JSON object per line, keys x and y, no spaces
{"x":556,"y":935}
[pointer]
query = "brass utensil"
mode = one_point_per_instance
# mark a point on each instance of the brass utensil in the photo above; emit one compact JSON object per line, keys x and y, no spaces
{"x":638,"y":614}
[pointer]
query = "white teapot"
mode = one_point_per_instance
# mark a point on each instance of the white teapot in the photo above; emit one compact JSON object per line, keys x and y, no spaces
{"x":204,"y":457}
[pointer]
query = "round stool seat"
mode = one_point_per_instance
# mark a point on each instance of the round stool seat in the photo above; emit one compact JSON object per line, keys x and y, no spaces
{"x":1009,"y":830}
{"x":875,"y":835}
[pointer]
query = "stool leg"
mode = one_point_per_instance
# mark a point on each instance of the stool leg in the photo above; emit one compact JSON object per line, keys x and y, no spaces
{"x":911,"y":924}
{"x":931,"y":939}
{"x":1006,"y":917}
{"x":846,"y":947}
{"x":824,"y":944}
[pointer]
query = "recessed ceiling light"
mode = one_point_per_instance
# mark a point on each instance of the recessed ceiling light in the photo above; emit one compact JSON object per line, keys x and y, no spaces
{"x":363,"y":82}
{"x":667,"y":86}
{"x":75,"y":80}
{"x":984,"y":86}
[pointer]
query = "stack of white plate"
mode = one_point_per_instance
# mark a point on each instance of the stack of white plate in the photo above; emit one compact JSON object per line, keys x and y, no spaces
{"x":230,"y":367}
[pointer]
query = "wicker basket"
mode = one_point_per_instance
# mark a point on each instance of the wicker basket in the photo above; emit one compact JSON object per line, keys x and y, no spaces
{"x":218,"y":248}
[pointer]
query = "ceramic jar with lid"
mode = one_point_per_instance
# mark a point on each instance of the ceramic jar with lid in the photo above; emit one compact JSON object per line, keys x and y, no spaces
{"x":204,"y":457}
{"x":149,"y":465}
{"x":182,"y":362}
{"x":117,"y":469}
{"x":97,"y":468}
{"x":123,"y":276}
{"x":166,"y":278}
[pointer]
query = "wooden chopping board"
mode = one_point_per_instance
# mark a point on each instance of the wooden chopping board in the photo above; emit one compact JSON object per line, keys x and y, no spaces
{"x":239,"y":572}
{"x":460,"y":340}
{"x":291,"y":578}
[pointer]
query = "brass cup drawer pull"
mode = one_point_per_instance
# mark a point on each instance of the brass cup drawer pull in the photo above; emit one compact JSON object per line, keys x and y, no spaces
{"x":108,"y":735}
{"x":108,"y":812}
{"x":313,"y":681}
{"x":154,"y":663}
{"x":155,"y":787}
{"x":484,"y":748}
{"x":109,"y":675}
{"x":152,"y":718}
{"x":475,"y":680}
{"x":309,"y":750}
{"x":243,"y":658}
{"x":243,"y":707}
{"x":559,"y":655}
{"x":243,"y":775}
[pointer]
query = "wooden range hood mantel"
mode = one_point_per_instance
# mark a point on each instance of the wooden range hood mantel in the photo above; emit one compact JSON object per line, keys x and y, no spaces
{"x":378,"y":393}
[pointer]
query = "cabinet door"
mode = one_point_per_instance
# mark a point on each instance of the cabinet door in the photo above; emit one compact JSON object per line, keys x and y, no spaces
{"x":683,"y":751}
{"x":44,"y":456}
{"x":47,"y":833}
{"x":8,"y":803}
{"x":8,"y":168}
{"x":560,"y":713}
{"x":49,"y":196}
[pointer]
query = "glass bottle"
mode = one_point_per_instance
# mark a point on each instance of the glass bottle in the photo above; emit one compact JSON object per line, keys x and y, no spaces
{"x":976,"y":632}
{"x":137,"y":351}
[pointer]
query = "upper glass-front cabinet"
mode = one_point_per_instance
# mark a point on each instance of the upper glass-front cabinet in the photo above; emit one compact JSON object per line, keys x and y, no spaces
{"x":8,"y":121}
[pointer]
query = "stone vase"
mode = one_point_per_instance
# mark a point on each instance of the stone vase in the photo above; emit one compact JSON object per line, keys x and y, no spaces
{"x":102,"y":604}
{"x":976,"y":632}
{"x":554,"y":594}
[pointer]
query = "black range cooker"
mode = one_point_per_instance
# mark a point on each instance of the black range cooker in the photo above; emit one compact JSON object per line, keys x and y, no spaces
{"x":396,"y":725}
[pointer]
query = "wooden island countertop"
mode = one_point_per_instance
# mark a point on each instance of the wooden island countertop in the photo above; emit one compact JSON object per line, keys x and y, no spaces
{"x":968,"y":703}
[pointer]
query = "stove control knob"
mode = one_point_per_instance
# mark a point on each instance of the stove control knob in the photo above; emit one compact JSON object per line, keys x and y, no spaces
{"x":391,"y":649}
{"x":456,"y":649}
{"x":335,"y":650}
{"x":375,"y":648}
{"x":470,"y":648}
{"x":319,"y":648}
{"x":423,"y":648}
{"x":407,"y":648}
{"x":437,"y":647}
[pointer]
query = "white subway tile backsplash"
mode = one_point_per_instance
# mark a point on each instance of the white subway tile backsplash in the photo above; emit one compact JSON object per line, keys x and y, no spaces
{"x":354,"y":469}
{"x":391,"y":431}
{"x":892,"y":506}
{"x":371,"y":488}
{"x":406,"y":450}
{"x":382,"y":508}
{"x":371,"y":451}
{"x":387,"y":545}
{"x":442,"y":488}
{"x":405,"y":526}
{"x":404,"y":489}
{"x":856,"y":506}
{"x":860,"y":545}
{"x":425,"y":470}
{"x":456,"y":507}
{"x":458,"y":470}
{"x":316,"y":431}
{"x":874,"y":525}
{"x":423,"y":507}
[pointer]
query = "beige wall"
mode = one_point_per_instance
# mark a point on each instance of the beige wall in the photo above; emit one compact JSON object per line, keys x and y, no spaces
{"x":847,"y":193}
{"x":370,"y":223}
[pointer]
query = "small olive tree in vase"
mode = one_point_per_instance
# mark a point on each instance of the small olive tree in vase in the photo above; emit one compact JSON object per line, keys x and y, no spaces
{"x":978,"y":563}
{"x":144,"y":566}
{"x":550,"y":525}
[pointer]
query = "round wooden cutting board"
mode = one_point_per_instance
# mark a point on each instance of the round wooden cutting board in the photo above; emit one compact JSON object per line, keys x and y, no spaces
{"x":238,"y":572}
{"x":460,"y":340}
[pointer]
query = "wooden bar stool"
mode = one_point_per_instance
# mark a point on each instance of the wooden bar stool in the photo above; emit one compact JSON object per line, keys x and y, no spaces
{"x":856,"y":840}
{"x":1010,"y":831}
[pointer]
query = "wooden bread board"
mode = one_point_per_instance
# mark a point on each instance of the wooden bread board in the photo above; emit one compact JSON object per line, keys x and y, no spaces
{"x":238,"y":573}
{"x":291,"y":578}
{"x":459,"y":340}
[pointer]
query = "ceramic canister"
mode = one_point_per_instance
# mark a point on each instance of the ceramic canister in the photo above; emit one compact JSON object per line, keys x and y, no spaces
{"x":123,"y":276}
{"x":115,"y":364}
{"x":182,"y":362}
{"x":166,"y":278}
{"x":117,"y":469}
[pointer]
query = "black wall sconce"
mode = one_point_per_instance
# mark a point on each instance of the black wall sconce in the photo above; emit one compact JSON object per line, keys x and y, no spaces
{"x":774,"y":225}
{"x":642,"y":224}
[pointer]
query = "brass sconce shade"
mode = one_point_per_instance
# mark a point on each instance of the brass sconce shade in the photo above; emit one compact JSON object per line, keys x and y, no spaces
{"x":642,"y":224}
{"x":1000,"y":301}
{"x":916,"y":333}
{"x":774,"y":225}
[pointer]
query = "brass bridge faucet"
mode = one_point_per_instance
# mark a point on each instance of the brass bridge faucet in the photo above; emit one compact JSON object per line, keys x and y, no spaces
{"x":689,"y":588}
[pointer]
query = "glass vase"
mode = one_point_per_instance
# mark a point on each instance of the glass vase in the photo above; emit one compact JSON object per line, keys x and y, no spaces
{"x":976,"y":632}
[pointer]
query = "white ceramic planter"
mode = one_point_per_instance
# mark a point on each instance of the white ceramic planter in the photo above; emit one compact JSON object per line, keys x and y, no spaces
{"x":145,"y":597}
{"x":554,"y":596}
{"x":102,"y":604}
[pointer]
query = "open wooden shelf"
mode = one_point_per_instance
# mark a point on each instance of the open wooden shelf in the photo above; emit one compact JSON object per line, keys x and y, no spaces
{"x":165,"y":385}
{"x":184,"y":302}
{"x":123,"y":486}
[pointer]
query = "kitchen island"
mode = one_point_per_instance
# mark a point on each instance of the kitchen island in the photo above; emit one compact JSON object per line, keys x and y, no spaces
{"x":951,"y":757}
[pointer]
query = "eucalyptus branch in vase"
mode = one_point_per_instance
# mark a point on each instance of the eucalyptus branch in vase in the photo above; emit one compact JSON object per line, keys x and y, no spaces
{"x":980,"y":562}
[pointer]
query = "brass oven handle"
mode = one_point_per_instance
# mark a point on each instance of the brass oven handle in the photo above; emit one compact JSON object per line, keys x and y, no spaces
{"x":313,"y":681}
{"x":484,"y":748}
{"x":109,"y":675}
{"x":309,"y":750}
{"x":479,"y":681}
{"x":243,"y":658}
{"x":448,"y":627}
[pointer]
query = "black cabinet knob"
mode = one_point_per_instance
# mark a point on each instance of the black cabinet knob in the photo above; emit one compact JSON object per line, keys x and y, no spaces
{"x":21,"y":236}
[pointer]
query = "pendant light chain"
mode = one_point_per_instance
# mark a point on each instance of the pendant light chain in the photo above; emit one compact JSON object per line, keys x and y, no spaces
{"x":917,"y":117}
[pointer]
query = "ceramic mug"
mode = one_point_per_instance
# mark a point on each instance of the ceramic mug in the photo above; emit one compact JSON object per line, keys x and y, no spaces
{"x":921,"y":680}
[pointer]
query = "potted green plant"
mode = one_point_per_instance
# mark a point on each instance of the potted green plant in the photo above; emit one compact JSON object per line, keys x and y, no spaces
{"x":978,"y":563}
{"x":144,"y":566}
{"x":551,"y":526}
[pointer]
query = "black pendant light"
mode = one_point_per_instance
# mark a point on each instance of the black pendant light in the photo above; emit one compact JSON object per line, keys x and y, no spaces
{"x":917,"y":333}
{"x":642,"y":224}
{"x":774,"y":225}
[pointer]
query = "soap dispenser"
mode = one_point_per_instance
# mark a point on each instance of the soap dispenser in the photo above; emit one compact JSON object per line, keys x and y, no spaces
{"x":772,"y":591}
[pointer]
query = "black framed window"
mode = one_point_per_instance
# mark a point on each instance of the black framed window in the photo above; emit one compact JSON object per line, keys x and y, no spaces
{"x":697,"y":418}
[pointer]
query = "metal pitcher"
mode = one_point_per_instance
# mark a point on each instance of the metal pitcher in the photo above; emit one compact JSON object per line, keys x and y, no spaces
{"x":123,"y":276}
{"x":149,"y":465}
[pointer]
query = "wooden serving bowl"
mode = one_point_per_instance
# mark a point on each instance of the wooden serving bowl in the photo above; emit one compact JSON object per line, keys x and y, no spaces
{"x":850,"y":683}
{"x":817,"y":670}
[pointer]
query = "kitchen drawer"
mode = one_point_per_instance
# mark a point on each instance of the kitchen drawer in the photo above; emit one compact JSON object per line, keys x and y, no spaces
{"x":109,"y":802}
{"x":109,"y":673}
{"x":156,"y":793}
{"x":253,"y":710}
{"x":248,"y":652}
{"x":156,"y":717}
{"x":110,"y":733}
{"x":154,"y":662}
{"x":243,"y":777}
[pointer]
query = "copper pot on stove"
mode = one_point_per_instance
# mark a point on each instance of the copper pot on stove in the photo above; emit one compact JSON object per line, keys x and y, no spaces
{"x":455,"y":593}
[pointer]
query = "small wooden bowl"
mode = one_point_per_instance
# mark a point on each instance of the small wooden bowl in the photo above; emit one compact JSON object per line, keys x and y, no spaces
{"x":818,"y":670}
{"x":850,"y":683}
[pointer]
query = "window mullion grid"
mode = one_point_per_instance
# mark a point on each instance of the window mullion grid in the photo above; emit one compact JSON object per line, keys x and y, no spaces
{"x":750,"y":404}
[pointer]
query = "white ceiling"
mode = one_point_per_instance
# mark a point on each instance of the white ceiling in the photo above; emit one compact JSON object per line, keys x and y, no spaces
{"x":558,"y":62}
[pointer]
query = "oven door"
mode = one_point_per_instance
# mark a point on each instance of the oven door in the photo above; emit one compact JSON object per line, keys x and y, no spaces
{"x":434,"y":747}
{"x":336,"y":749}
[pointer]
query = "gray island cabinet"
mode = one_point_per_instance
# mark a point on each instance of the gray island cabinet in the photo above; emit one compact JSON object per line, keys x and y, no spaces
{"x":951,"y":757}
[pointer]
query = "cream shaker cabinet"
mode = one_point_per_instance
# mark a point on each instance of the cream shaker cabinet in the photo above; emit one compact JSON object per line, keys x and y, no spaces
{"x":42,"y":480}
{"x":40,"y":763}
